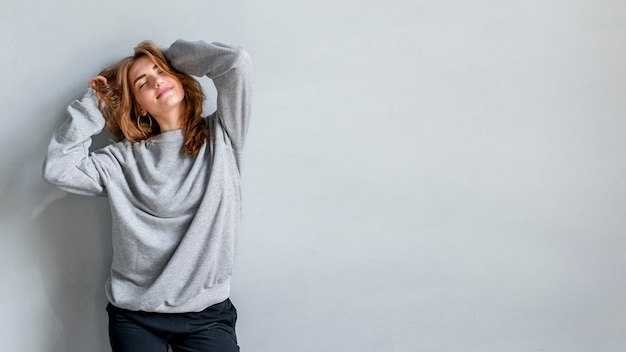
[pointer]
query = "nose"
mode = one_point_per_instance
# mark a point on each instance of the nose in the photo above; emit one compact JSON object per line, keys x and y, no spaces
{"x":158,"y":82}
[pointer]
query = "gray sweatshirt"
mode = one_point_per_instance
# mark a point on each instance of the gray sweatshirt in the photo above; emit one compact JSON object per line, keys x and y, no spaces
{"x":175,"y":218}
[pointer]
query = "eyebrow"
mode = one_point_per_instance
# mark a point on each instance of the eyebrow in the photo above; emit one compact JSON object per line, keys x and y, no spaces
{"x":144,"y":75}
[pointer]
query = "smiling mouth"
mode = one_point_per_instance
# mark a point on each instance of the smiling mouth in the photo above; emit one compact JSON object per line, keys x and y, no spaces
{"x":163,"y":92}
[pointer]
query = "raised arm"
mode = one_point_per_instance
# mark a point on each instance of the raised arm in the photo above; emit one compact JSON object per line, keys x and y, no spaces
{"x":230,"y":69}
{"x":68,"y":164}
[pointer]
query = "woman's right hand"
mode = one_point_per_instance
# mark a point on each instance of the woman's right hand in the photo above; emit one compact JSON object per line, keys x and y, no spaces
{"x":98,"y":80}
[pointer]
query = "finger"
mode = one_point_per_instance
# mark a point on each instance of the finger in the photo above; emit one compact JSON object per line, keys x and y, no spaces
{"x":94,"y":82}
{"x":101,"y":79}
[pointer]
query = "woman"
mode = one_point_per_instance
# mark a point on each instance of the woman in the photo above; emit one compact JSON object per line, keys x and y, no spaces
{"x":173,"y":182}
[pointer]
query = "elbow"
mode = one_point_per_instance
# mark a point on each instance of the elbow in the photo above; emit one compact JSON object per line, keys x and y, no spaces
{"x":52,"y":174}
{"x":50,"y":177}
{"x":244,"y":59}
{"x":243,"y":64}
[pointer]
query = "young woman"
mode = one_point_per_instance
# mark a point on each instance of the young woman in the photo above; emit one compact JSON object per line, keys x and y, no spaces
{"x":173,"y":182}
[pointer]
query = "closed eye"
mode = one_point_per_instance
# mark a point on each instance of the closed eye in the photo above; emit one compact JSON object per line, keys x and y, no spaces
{"x":154,"y":68}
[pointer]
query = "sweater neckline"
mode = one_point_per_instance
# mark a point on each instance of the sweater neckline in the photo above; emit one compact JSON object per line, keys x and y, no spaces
{"x":169,"y":136}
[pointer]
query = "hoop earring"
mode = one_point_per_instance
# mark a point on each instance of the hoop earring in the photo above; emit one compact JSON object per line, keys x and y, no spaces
{"x":149,"y":120}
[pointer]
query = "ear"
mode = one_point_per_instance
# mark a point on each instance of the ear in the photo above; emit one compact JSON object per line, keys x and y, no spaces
{"x":142,"y":112}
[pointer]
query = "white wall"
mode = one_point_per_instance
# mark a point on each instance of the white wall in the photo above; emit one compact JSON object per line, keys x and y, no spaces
{"x":421,"y":175}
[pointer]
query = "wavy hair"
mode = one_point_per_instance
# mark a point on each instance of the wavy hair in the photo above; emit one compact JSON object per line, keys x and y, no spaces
{"x":121,"y":111}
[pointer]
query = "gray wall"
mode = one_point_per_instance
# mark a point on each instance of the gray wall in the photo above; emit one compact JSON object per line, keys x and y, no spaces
{"x":421,"y":175}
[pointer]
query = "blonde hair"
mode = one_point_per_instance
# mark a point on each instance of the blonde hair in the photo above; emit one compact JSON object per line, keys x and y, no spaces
{"x":121,"y":111}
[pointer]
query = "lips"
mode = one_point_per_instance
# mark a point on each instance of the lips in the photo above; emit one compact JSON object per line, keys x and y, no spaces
{"x":163,"y":91}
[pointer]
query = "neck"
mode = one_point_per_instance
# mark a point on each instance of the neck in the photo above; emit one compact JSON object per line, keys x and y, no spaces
{"x":170,"y":121}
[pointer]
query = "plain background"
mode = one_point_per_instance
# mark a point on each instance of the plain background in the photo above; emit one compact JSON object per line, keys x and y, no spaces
{"x":420,"y":175}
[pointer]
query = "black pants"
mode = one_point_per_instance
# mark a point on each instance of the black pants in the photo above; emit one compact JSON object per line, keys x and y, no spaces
{"x":212,"y":329}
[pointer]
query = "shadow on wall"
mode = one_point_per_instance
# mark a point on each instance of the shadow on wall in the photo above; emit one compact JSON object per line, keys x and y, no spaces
{"x":73,"y":237}
{"x":65,"y":239}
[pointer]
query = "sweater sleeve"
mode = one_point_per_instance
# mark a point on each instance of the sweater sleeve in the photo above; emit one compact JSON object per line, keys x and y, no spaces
{"x":230,"y":69}
{"x":69,"y":165}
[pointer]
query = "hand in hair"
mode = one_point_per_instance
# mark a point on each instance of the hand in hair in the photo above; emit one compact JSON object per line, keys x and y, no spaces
{"x":98,"y":80}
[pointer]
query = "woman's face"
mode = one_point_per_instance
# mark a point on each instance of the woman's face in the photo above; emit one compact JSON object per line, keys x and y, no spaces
{"x":156,"y":91}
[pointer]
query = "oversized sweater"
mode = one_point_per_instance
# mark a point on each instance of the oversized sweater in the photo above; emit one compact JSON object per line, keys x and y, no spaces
{"x":175,"y":218}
